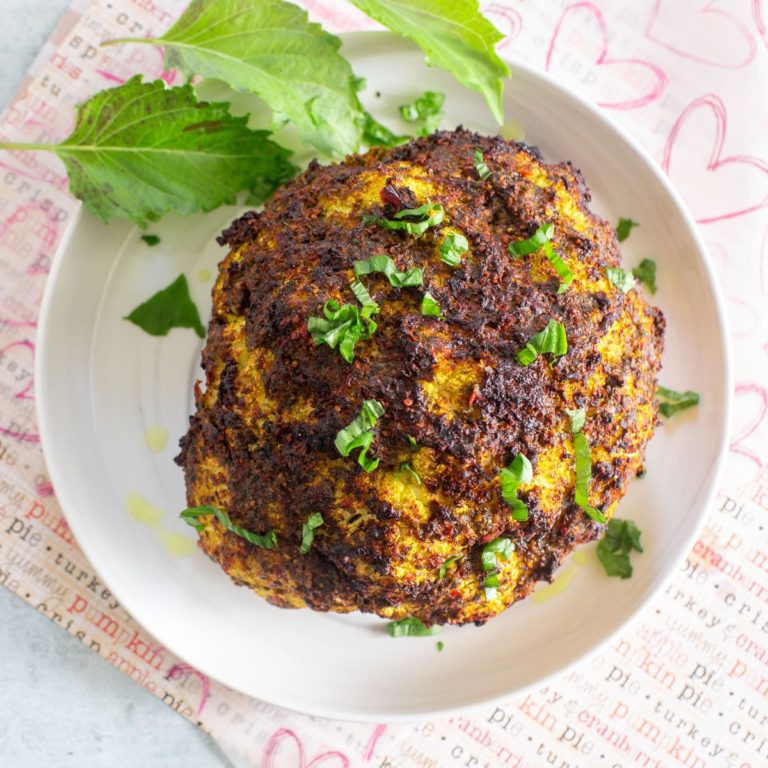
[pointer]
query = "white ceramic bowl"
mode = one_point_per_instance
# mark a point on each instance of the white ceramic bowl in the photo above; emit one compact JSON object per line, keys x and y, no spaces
{"x":101,"y":383}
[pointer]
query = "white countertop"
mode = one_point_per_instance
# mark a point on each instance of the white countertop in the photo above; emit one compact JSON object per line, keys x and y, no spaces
{"x":61,"y":704}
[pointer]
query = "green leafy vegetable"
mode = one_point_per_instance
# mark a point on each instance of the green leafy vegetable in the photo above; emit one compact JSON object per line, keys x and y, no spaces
{"x":501,"y":547}
{"x":410,"y":627}
{"x":359,"y":434}
{"x":407,"y":467}
{"x":552,"y":340}
{"x":583,"y":465}
{"x":447,"y":563}
{"x":454,"y":36}
{"x":267,"y":540}
{"x":452,"y":248}
{"x":375,"y":134}
{"x":272,"y":50}
{"x":624,"y":281}
{"x":426,"y":109}
{"x":541,"y":239}
{"x":151,"y":240}
{"x":429,"y":307}
{"x":518,"y":473}
{"x":479,"y":162}
{"x":170,"y":308}
{"x":343,"y":326}
{"x":621,"y":537}
{"x":315,"y":520}
{"x":623,"y":228}
{"x":362,"y":295}
{"x":440,"y":645}
{"x":427,"y":215}
{"x":645,"y":272}
{"x":142,"y":150}
{"x":385,"y":265}
{"x":673,"y":401}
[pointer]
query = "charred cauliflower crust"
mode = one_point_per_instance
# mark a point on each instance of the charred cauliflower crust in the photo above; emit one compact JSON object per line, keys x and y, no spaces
{"x":261,"y":444}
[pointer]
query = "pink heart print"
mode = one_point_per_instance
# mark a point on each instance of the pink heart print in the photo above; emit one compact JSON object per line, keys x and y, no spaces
{"x":759,"y":12}
{"x":716,"y":187}
{"x":506,"y":19}
{"x":701,"y":32}
{"x":747,"y":420}
{"x":278,"y":755}
{"x":583,"y":31}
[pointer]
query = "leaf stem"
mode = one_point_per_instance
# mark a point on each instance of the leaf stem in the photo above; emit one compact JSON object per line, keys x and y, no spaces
{"x":14,"y":145}
{"x":123,"y":40}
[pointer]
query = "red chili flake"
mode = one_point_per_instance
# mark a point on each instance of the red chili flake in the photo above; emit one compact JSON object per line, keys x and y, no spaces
{"x":407,"y":402}
{"x":389,"y":195}
{"x":473,"y":397}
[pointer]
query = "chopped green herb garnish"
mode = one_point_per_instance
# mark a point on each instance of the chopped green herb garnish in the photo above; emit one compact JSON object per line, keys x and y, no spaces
{"x":583,"y":465}
{"x":410,"y":627}
{"x":315,"y":520}
{"x":440,"y":645}
{"x":407,"y":467}
{"x":412,"y":444}
{"x":384,"y":264}
{"x":447,"y":563}
{"x":621,"y":537}
{"x":429,"y":307}
{"x":645,"y":272}
{"x":480,"y":166}
{"x":536,"y":241}
{"x":150,"y":240}
{"x":501,"y":547}
{"x":427,"y":109}
{"x":518,"y":473}
{"x":541,"y":239}
{"x":675,"y":401}
{"x":452,"y":248}
{"x":362,"y":295}
{"x":359,"y":434}
{"x":623,"y":280}
{"x":377,"y":135}
{"x":623,"y":228}
{"x":267,"y":540}
{"x":428,"y":215}
{"x":343,"y":326}
{"x":552,"y":340}
{"x":170,"y":308}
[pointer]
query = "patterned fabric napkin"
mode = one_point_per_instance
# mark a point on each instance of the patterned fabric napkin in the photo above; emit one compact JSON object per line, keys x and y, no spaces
{"x":688,"y":684}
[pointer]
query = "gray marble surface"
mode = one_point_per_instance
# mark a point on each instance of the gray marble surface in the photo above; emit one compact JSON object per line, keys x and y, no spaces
{"x":61,"y":705}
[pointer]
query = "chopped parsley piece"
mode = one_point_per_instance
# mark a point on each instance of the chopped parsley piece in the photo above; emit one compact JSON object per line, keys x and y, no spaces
{"x":672,"y":401}
{"x":384,"y":264}
{"x":410,"y":627}
{"x":645,"y":272}
{"x":621,"y":537}
{"x":452,"y":248}
{"x":583,"y":465}
{"x":343,"y":326}
{"x":480,"y":166}
{"x":427,"y":109}
{"x":440,"y":645}
{"x":623,"y":280}
{"x":151,"y":240}
{"x":429,"y":307}
{"x":518,"y":473}
{"x":362,"y":295}
{"x":428,"y":215}
{"x":407,"y":467}
{"x":447,"y":563}
{"x":541,"y":239}
{"x":170,"y":308}
{"x":551,"y":340}
{"x":315,"y":520}
{"x":412,"y":444}
{"x":377,"y":135}
{"x":359,"y":434}
{"x":623,"y":228}
{"x":267,"y":540}
{"x":501,"y":547}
